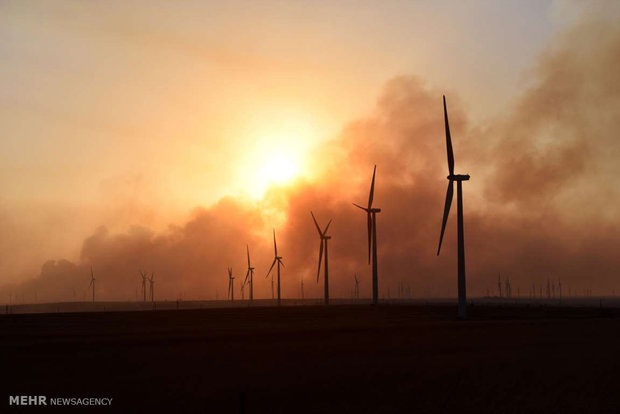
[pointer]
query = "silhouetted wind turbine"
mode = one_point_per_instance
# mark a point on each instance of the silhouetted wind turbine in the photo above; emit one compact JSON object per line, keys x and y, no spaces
{"x":92,"y":282}
{"x":459,"y":178}
{"x":144,"y":277}
{"x":302,"y":288}
{"x":151,"y":285}
{"x":231,"y":287}
{"x":249,"y":276}
{"x":372,"y":236}
{"x":324,"y":238}
{"x":277,"y":259}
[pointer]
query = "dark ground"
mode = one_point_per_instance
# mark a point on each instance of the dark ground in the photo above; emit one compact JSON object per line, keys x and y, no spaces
{"x":315,"y":359}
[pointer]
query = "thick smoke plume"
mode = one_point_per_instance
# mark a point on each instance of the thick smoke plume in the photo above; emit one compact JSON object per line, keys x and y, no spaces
{"x":541,"y":204}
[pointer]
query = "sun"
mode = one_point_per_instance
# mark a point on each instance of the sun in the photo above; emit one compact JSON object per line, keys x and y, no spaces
{"x":279,"y":169}
{"x":277,"y":150}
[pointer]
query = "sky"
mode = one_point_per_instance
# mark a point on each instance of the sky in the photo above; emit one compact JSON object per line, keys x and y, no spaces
{"x":167,"y":136}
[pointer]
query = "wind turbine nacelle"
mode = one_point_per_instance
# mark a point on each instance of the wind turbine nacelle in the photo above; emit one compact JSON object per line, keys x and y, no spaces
{"x":375,"y":210}
{"x":458,"y":177}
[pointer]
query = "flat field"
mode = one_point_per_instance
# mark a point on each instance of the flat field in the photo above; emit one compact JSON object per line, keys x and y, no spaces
{"x":316,"y":359}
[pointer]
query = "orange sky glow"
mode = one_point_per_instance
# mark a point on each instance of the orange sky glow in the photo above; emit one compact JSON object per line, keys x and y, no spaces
{"x":167,"y":137}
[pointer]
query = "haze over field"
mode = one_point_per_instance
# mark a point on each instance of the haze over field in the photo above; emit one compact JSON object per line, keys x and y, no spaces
{"x":166,"y":138}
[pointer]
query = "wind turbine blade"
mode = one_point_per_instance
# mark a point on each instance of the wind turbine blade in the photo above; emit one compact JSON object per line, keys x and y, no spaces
{"x":246,"y":276}
{"x":318,"y":271}
{"x":369,"y":220}
{"x":372,"y":188}
{"x":248,"y":248}
{"x":271,"y":268}
{"x":281,"y":262}
{"x":446,"y":212}
{"x":358,"y":206}
{"x":448,"y":139}
{"x":316,"y":224}
{"x":326,"y":227}
{"x":275,"y":246}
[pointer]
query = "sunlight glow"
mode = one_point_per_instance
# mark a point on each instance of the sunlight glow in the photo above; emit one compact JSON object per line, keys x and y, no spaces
{"x":279,"y":169}
{"x":278,"y":156}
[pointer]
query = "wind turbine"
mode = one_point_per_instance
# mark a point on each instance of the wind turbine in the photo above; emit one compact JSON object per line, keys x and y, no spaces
{"x":231,"y":288}
{"x":324,"y":238}
{"x":151,"y":285}
{"x":372,"y":237}
{"x":249,"y":276}
{"x":302,"y":288}
{"x":92,"y":282}
{"x":357,"y":287}
{"x":459,"y":178}
{"x":276,"y":259}
{"x":144,"y":277}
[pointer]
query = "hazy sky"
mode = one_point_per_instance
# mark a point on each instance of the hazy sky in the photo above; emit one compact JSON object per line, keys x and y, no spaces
{"x":135,"y":113}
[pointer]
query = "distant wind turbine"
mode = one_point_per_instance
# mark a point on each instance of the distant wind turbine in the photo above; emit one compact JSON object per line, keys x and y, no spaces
{"x":459,"y":178}
{"x":277,"y":259}
{"x":92,"y":282}
{"x":372,"y":237}
{"x":231,"y":287}
{"x":151,"y":285}
{"x":357,"y":287}
{"x":302,"y":288}
{"x":324,"y":238}
{"x":249,"y":276}
{"x":144,"y":277}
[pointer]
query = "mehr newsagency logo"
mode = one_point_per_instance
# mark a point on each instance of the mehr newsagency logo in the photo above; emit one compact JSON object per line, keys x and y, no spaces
{"x":58,"y":401}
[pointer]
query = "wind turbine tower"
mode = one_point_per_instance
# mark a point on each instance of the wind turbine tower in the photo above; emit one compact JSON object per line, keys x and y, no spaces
{"x":151,"y":286}
{"x":231,"y":287}
{"x":324,"y":238}
{"x":144,"y":277}
{"x":277,"y":259}
{"x":371,"y":219}
{"x":459,"y":178}
{"x":249,"y":276}
{"x":92,"y":282}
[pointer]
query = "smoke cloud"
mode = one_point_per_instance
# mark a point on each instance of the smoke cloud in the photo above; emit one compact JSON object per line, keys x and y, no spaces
{"x":539,"y":206}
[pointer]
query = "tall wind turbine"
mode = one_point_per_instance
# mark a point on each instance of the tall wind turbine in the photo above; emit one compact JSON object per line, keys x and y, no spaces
{"x":144,"y":277}
{"x":151,"y":285}
{"x":372,"y":237}
{"x":324,"y":238}
{"x":249,"y":276}
{"x":231,"y":287}
{"x":92,"y":282}
{"x":276,"y":259}
{"x":459,"y":178}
